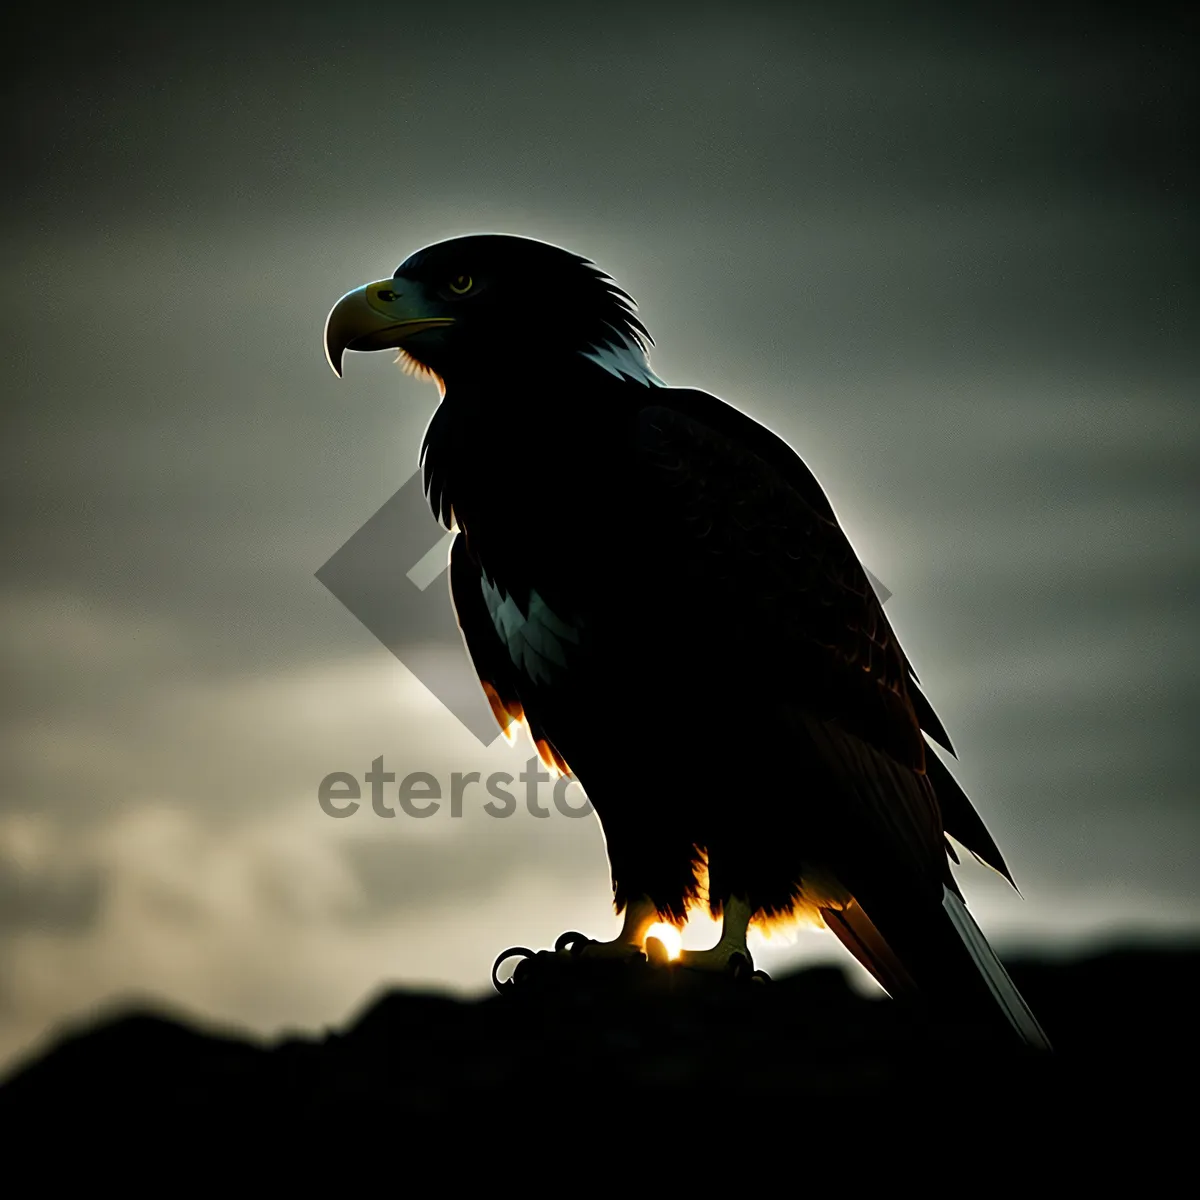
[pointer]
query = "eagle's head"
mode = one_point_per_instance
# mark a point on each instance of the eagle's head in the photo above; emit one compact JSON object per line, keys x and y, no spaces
{"x":460,"y":308}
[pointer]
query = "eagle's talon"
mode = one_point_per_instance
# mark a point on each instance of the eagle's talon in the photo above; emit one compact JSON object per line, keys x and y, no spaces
{"x":521,"y":953}
{"x":720,"y":960}
{"x":571,"y":942}
{"x":573,"y":945}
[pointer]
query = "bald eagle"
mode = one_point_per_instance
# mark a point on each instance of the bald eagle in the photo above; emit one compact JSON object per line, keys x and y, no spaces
{"x":656,"y":586}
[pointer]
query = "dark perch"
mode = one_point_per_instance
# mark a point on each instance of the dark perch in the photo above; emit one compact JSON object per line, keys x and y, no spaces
{"x":593,"y":1054}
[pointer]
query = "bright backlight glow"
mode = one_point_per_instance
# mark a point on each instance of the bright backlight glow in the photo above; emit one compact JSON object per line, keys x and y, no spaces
{"x":669,"y":936}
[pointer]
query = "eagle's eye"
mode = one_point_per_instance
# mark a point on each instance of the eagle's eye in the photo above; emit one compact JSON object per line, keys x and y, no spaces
{"x":461,"y":284}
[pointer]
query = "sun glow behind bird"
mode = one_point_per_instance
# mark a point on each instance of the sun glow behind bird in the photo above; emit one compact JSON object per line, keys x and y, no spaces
{"x":670,"y":937}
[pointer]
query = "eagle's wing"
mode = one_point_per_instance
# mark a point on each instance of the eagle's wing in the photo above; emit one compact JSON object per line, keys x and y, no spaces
{"x":806,"y":631}
{"x":490,"y":656}
{"x":717,"y":468}
{"x":729,"y":422}
{"x":748,"y":535}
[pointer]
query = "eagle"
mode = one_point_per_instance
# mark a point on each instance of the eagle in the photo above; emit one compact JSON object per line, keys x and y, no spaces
{"x":656,"y":587}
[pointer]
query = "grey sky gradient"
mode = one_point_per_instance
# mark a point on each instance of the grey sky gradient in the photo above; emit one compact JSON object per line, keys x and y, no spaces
{"x":951,"y":260}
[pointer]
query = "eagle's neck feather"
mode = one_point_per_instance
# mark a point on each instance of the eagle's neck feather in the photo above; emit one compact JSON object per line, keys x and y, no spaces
{"x":624,"y":359}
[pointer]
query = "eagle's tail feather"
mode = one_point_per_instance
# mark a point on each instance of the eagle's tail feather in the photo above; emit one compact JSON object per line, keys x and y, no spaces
{"x":944,"y":971}
{"x":855,"y":930}
{"x":992,"y":970}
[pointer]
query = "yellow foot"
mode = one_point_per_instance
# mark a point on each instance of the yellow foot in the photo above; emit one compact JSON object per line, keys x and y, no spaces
{"x":618,"y":950}
{"x":725,"y":958}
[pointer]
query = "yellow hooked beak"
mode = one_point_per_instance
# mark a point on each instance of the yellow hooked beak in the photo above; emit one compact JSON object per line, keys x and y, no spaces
{"x":377,"y":316}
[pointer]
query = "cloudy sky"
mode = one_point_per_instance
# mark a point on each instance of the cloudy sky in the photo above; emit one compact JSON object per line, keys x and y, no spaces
{"x":952,"y":263}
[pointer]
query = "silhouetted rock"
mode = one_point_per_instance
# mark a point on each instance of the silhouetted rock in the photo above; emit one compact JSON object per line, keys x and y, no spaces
{"x":595,"y":1054}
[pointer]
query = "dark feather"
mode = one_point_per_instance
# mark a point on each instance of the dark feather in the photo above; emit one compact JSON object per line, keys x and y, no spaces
{"x":854,"y":929}
{"x":810,"y":629}
{"x":926,"y":717}
{"x":960,"y":819}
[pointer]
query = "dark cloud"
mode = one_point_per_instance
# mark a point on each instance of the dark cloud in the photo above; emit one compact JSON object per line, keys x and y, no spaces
{"x":54,"y":900}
